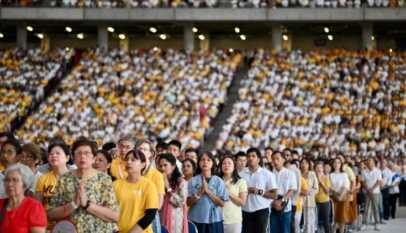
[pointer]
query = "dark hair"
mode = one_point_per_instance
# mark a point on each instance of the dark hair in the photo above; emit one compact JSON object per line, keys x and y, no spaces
{"x":106,"y":155}
{"x":108,"y":146}
{"x":176,"y":175}
{"x":280,"y":153}
{"x":190,"y":149}
{"x":318,"y":162}
{"x":257,"y":152}
{"x":84,"y":141}
{"x":295,"y":162}
{"x":235,"y":177}
{"x":341,"y":167}
{"x":56,"y":142}
{"x":254,"y":150}
{"x":161,"y":145}
{"x":307,"y":161}
{"x":176,"y":143}
{"x":8,"y":135}
{"x":240,"y":154}
{"x":194,"y":166}
{"x":138,"y":155}
{"x":294,"y":152}
{"x":44,"y":156}
{"x":15,"y":143}
{"x":211,"y":157}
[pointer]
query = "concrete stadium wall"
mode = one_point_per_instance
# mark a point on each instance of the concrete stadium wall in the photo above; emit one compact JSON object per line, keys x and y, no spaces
{"x":205,"y":15}
{"x":303,"y":42}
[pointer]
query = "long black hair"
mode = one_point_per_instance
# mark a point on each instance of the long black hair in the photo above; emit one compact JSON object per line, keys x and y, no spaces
{"x":234,"y":176}
{"x":211,"y":157}
{"x":192,"y":162}
{"x":176,"y":175}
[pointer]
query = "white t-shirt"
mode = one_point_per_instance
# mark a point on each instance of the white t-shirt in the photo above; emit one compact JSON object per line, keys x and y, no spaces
{"x":260,"y":179}
{"x":371,"y":177}
{"x":394,"y":187}
{"x":386,"y":177}
{"x":286,"y":181}
{"x":339,"y":181}
{"x":296,"y":173}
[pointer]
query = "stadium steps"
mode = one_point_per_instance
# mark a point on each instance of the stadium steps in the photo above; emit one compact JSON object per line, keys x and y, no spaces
{"x":227,"y":108}
{"x":49,"y":89}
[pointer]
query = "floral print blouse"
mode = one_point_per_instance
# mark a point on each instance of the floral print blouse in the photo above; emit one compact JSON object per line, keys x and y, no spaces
{"x":99,"y":190}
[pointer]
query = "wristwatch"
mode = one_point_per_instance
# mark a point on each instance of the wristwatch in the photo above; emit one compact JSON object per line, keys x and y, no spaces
{"x":260,"y":192}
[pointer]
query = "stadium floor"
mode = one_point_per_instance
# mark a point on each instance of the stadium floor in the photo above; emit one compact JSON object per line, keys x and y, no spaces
{"x":397,"y":225}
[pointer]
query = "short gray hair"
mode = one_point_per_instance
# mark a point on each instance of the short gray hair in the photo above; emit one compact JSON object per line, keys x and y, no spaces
{"x":26,"y":174}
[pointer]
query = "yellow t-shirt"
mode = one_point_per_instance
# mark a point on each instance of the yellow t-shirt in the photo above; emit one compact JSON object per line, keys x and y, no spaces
{"x":350,"y":173}
{"x":134,"y":199}
{"x":117,"y":169}
{"x":2,"y":167}
{"x":322,"y":196}
{"x":46,"y":186}
{"x":232,"y":213}
{"x":157,"y":178}
{"x":304,"y":187}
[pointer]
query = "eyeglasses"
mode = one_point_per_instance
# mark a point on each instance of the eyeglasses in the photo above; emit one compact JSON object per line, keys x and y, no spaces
{"x":8,"y":152}
{"x":25,"y":155}
{"x":85,"y":153}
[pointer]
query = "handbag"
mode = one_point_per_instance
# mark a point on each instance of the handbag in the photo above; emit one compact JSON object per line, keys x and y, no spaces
{"x":278,"y":206}
{"x":64,"y":226}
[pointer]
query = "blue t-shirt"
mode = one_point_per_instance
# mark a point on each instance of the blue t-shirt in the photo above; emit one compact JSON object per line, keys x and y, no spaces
{"x":205,"y":211}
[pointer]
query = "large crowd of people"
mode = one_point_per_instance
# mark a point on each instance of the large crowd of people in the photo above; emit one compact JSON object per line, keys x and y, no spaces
{"x":23,"y":76}
{"x":132,"y":185}
{"x":338,"y":100}
{"x":157,"y":93}
{"x":206,"y":3}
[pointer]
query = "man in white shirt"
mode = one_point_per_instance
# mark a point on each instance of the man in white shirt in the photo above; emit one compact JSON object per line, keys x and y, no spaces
{"x":394,"y":189}
{"x":386,"y":179}
{"x":372,"y":178}
{"x":241,"y":162}
{"x":261,"y":188}
{"x":282,"y":205}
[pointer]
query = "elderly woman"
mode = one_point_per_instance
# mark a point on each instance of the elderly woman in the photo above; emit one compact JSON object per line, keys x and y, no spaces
{"x":85,"y":196}
{"x":19,"y":213}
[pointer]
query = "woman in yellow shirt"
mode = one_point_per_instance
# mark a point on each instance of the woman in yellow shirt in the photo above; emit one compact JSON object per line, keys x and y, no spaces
{"x":304,"y":190}
{"x":58,"y":156}
{"x":136,"y":195}
{"x":156,"y":177}
{"x":322,"y":197}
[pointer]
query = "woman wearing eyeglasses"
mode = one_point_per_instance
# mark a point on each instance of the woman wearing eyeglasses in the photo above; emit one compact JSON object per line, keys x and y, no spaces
{"x":85,"y":196}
